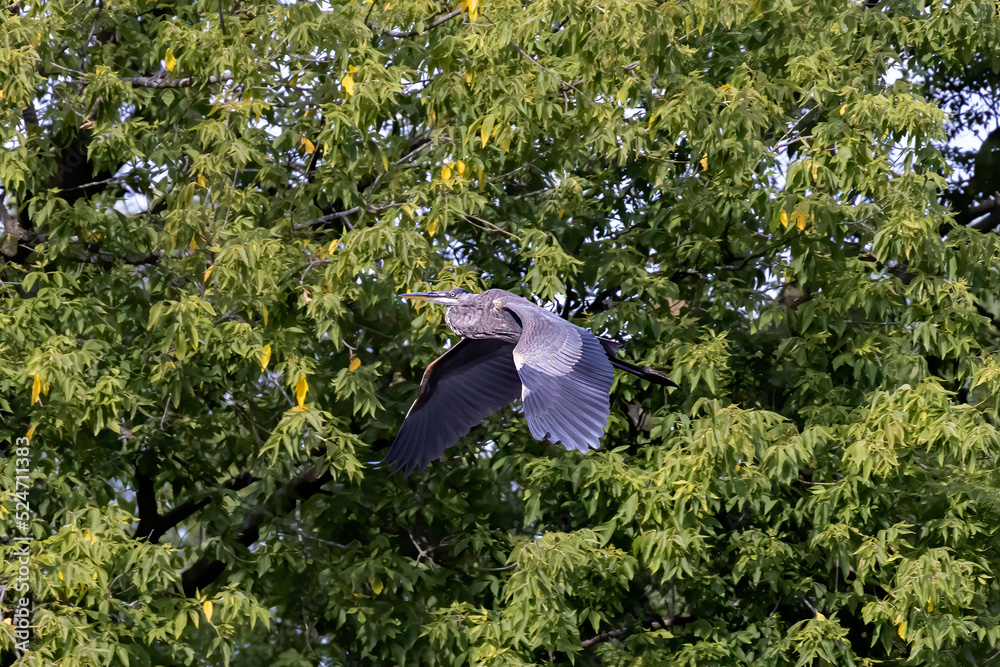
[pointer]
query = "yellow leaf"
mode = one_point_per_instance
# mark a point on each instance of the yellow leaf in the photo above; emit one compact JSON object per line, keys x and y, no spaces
{"x":194,"y":242}
{"x":376,"y":584}
{"x":505,"y":144}
{"x":60,"y":576}
{"x":704,"y":163}
{"x":461,"y":168}
{"x":264,"y":314}
{"x":800,"y":221}
{"x":31,"y":432}
{"x":310,"y":147}
{"x":301,"y":389}
{"x":433,"y":227}
{"x":468,"y":80}
{"x":36,"y":389}
{"x":479,"y":175}
{"x":385,"y":163}
{"x":815,"y":170}
{"x":351,"y":69}
{"x":902,"y":630}
{"x":265,"y":357}
{"x":930,"y":605}
{"x":1,"y":95}
{"x":330,"y":250}
{"x":445,"y":173}
{"x":354,"y":365}
{"x":723,"y":86}
{"x":348,"y":83}
{"x":486,"y":130}
{"x":843,"y":109}
{"x":201,"y":181}
{"x":169,"y":61}
{"x":207,"y":608}
{"x":784,"y":218}
{"x":473,"y":6}
{"x":208,"y":272}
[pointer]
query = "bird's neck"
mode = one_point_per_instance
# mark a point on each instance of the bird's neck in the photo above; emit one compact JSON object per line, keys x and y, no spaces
{"x":474,"y":321}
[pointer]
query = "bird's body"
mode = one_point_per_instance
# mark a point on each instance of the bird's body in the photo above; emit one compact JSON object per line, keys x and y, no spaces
{"x":511,"y":348}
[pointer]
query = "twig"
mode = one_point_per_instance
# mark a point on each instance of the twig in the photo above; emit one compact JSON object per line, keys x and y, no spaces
{"x":525,"y":195}
{"x":785,"y":144}
{"x":435,"y":23}
{"x":421,"y":552}
{"x":417,"y":145}
{"x":489,"y":225}
{"x":738,"y":266}
{"x":552,"y":74}
{"x":89,"y":185}
{"x":161,"y":82}
{"x":529,"y":163}
{"x":614,"y":634}
{"x":497,"y":569}
{"x":304,"y":536}
{"x":329,"y":218}
{"x":222,"y":20}
{"x":93,"y":29}
{"x":312,"y":263}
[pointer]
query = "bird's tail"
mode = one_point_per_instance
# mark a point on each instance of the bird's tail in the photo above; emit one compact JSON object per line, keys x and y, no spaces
{"x":611,"y":348}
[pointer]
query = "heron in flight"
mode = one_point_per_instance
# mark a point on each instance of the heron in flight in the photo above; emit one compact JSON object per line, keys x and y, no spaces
{"x":510,"y":348}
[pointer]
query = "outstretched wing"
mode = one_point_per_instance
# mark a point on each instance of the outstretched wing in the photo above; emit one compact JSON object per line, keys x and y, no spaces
{"x":566,"y":378}
{"x":462,"y":387}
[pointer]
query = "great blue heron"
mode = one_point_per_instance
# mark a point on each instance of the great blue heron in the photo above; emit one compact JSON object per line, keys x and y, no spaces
{"x":510,"y":348}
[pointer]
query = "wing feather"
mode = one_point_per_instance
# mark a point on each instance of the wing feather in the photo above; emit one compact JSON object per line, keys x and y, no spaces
{"x":566,"y":378}
{"x":459,"y":389}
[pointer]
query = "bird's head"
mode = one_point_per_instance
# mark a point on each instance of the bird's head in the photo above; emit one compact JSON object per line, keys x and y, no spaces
{"x":448,"y":297}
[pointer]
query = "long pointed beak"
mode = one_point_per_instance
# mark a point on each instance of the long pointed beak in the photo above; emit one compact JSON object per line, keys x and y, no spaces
{"x":418,"y":296}
{"x":433,"y":297}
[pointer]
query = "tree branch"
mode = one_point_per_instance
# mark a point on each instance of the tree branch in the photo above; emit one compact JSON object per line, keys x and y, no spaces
{"x":654,"y":625}
{"x":552,"y":74}
{"x":435,"y":23}
{"x":163,"y":82}
{"x":153,"y":525}
{"x":328,"y":218}
{"x":14,"y":232}
{"x":305,"y":485}
{"x":989,"y":208}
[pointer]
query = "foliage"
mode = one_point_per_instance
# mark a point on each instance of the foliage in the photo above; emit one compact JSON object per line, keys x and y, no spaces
{"x":209,"y":209}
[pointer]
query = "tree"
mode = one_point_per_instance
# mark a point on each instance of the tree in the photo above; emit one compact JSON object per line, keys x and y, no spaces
{"x":210,"y":207}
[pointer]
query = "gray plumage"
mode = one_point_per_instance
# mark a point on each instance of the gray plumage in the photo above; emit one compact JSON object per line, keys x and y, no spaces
{"x":510,"y":348}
